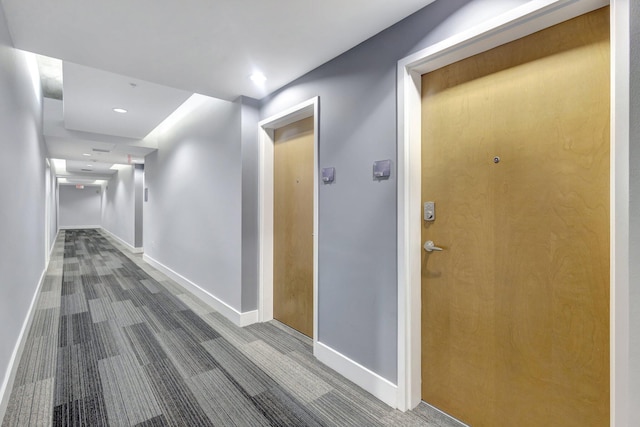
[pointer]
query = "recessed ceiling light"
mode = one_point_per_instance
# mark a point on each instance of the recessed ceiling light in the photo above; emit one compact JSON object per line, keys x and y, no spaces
{"x":86,"y":154}
{"x":258,"y":77}
{"x":89,"y":166}
{"x":120,"y":110}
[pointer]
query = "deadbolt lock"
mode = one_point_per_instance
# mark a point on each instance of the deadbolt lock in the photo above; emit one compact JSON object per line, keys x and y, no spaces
{"x":429,"y":211}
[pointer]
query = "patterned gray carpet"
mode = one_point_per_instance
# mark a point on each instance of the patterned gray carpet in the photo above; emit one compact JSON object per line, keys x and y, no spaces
{"x":115,"y":342}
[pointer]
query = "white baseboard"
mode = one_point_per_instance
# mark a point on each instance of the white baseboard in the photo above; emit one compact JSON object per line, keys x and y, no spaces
{"x":381,"y":388}
{"x":12,"y":368}
{"x":77,"y":227}
{"x":130,"y":247}
{"x":248,"y":318}
{"x":238,"y":318}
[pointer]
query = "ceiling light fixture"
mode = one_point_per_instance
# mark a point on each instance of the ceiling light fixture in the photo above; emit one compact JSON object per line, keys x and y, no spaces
{"x":258,"y":77}
{"x":86,"y":154}
{"x":120,"y":110}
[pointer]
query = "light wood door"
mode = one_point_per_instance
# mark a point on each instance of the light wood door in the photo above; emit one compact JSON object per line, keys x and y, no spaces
{"x":515,"y":309}
{"x":293,"y":226}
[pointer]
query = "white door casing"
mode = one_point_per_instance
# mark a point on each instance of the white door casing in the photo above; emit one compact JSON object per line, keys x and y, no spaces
{"x":517,"y":23}
{"x":266,"y":127}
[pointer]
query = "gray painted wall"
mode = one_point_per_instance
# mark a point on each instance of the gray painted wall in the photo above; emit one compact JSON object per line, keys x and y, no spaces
{"x":22,"y":195}
{"x":249,"y":115}
{"x":193,"y":219}
{"x":357,"y":289}
{"x":118,"y":205}
{"x":634,"y":216}
{"x":79,"y":207}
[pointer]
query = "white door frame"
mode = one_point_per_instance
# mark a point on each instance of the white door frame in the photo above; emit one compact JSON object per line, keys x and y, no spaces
{"x":517,"y":23}
{"x":266,"y":130}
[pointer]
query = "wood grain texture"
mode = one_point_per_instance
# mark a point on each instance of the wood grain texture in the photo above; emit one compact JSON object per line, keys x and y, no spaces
{"x":293,"y":226}
{"x":515,"y":313}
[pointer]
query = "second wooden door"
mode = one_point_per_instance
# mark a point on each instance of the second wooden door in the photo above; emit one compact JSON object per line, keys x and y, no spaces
{"x":293,"y":226}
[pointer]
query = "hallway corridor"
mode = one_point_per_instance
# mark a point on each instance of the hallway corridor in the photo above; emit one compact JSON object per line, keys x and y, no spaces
{"x":115,"y":342}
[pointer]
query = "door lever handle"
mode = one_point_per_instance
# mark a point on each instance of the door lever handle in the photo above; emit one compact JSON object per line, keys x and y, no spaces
{"x":429,"y":246}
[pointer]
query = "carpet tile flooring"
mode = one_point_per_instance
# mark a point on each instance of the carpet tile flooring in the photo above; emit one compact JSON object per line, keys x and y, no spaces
{"x":114,"y":342}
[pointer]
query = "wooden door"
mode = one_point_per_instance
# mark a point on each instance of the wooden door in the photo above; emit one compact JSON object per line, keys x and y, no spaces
{"x":293,"y":226}
{"x":515,"y":309}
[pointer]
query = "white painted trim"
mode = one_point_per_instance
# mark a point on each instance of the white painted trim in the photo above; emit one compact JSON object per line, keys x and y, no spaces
{"x":516,"y":23}
{"x":238,"y":318}
{"x":621,"y":405}
{"x":14,"y":362}
{"x":265,"y":248}
{"x":57,"y":203}
{"x":380,"y":387}
{"x":130,"y":247}
{"x":47,"y":210}
{"x":78,"y":227}
{"x":266,"y":129}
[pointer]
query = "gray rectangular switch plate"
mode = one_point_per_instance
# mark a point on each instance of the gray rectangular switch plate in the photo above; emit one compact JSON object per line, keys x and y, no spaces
{"x":328,"y":175}
{"x":382,"y":169}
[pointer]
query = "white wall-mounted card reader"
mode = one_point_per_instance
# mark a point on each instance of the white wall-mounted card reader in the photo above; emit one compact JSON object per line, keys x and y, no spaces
{"x":429,"y":211}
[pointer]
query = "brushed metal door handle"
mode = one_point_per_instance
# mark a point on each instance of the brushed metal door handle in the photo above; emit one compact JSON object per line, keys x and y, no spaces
{"x":429,"y":246}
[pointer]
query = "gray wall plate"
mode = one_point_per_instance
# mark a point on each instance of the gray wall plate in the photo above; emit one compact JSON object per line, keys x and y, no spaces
{"x":382,"y":169}
{"x":328,"y":175}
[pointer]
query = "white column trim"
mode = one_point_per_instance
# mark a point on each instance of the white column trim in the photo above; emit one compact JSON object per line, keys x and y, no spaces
{"x":620,"y":398}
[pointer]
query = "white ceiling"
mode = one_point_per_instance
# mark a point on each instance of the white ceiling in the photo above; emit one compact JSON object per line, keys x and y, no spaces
{"x":90,"y":95}
{"x":149,"y":56}
{"x":64,"y":143}
{"x":84,"y":127}
{"x":205,"y":46}
{"x":79,"y":167}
